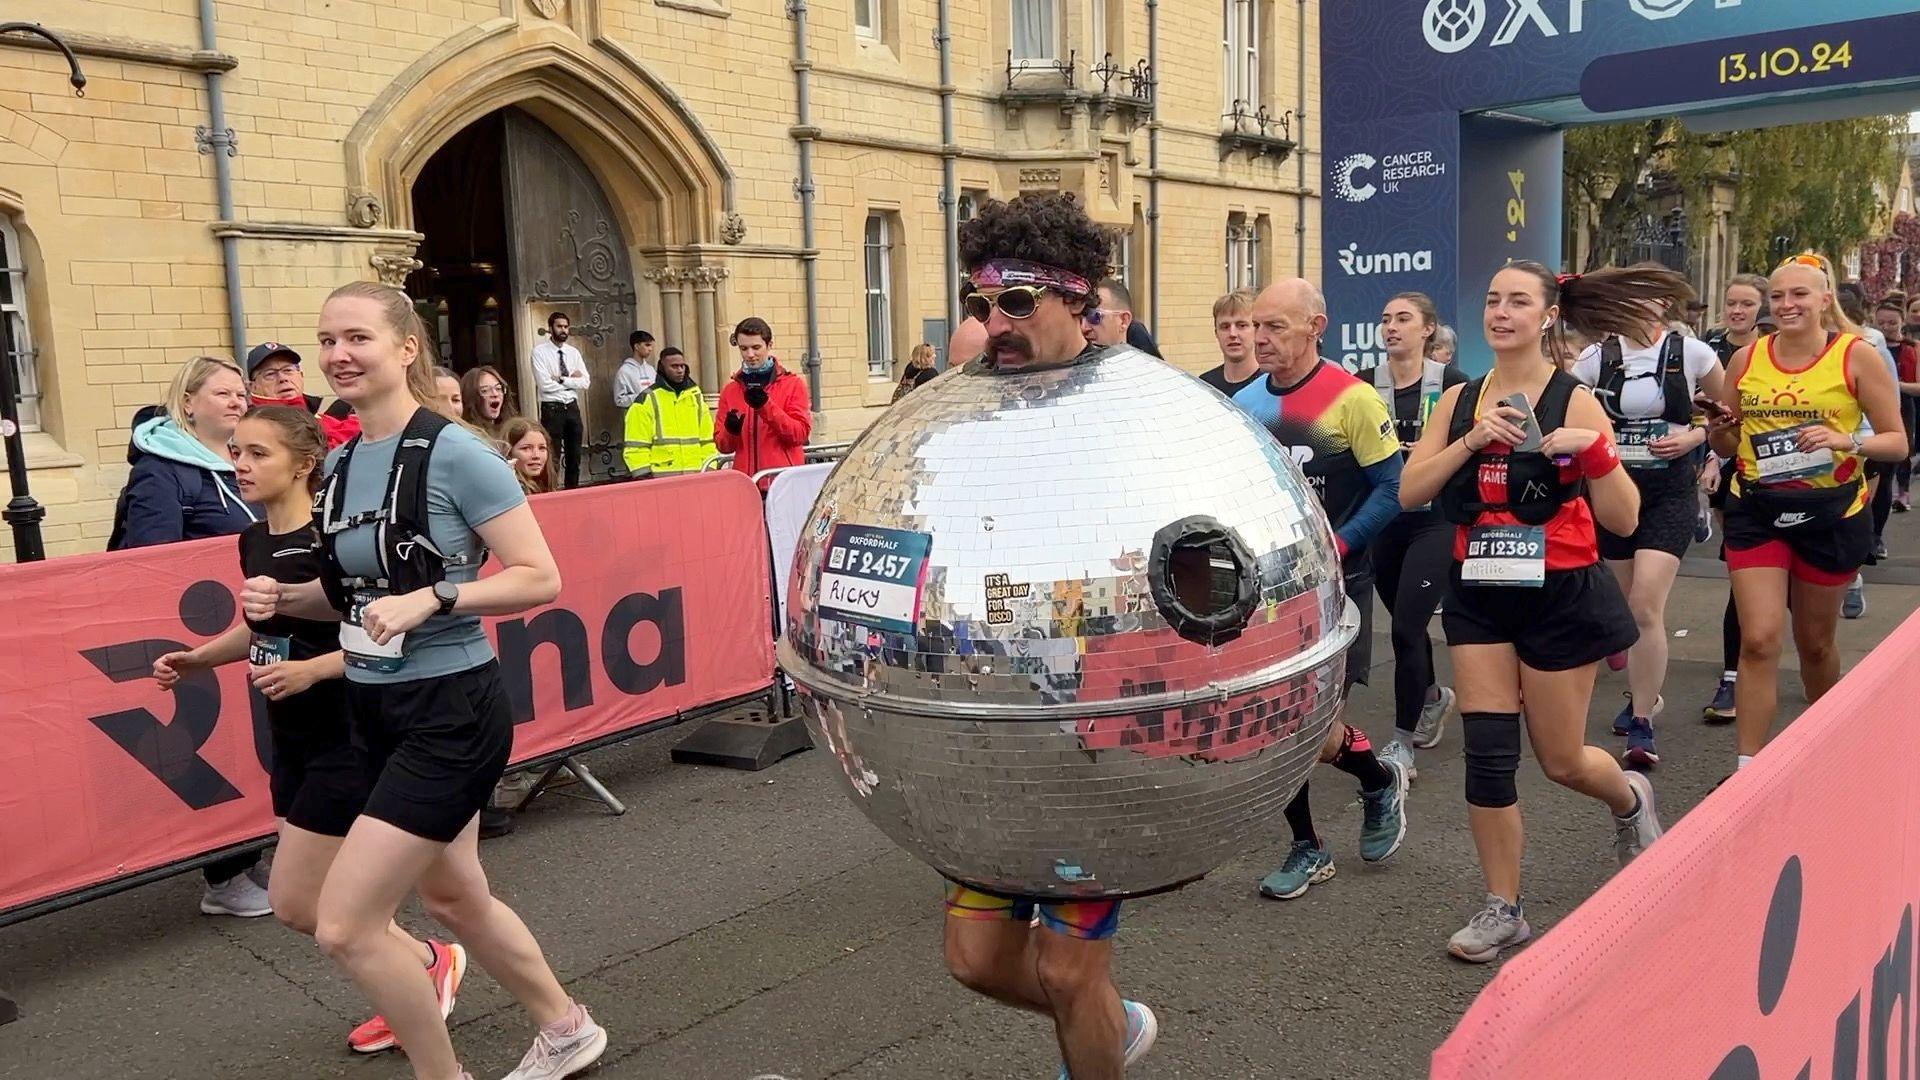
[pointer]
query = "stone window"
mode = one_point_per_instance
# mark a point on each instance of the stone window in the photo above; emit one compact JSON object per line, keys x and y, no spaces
{"x":866,"y":19}
{"x":17,"y":342}
{"x":1035,"y":30}
{"x":1243,"y":259}
{"x":879,"y":260}
{"x":1240,"y":55}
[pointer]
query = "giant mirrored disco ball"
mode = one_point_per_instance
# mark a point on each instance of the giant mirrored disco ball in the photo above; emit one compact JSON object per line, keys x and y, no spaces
{"x":1069,"y":633}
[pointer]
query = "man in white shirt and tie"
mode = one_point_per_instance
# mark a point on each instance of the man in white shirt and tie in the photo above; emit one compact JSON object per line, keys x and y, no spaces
{"x":560,"y":377}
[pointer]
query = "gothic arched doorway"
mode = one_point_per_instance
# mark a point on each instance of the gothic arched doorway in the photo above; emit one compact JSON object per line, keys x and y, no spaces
{"x":518,"y":228}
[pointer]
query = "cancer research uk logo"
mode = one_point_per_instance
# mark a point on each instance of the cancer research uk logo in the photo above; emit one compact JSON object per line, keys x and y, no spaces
{"x":1355,"y":264}
{"x":1452,"y":26}
{"x":1359,"y":177}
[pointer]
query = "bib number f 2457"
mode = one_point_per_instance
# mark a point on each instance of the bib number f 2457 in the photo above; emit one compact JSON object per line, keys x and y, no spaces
{"x":1505,"y":555}
{"x":1777,"y":456}
{"x":359,"y":647}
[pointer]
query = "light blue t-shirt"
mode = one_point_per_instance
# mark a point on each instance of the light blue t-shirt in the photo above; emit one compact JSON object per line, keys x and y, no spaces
{"x":468,"y":485}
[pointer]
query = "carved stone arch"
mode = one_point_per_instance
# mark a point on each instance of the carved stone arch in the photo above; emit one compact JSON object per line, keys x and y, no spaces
{"x":668,"y":181}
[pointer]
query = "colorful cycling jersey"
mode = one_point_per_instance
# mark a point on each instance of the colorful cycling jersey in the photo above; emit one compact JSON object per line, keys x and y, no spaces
{"x":1339,"y":433}
{"x":1776,"y":403}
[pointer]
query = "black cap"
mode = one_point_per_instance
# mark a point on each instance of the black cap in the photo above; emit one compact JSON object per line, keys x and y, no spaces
{"x":260,"y":353}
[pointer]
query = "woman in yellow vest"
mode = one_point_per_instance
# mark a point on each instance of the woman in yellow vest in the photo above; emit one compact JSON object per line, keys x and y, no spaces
{"x":669,"y":428}
{"x":1796,"y":520}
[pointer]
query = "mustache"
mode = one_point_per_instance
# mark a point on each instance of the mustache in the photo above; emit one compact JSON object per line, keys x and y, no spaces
{"x":1010,"y":340}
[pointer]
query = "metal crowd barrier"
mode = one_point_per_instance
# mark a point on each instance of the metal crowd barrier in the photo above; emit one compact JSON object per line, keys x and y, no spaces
{"x":816,"y":453}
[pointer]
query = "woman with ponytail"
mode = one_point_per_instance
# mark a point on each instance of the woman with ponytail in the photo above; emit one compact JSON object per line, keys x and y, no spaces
{"x":1522,"y":462}
{"x":1797,"y":525}
{"x":1646,"y":380}
{"x":408,"y":513}
{"x":1411,"y":555}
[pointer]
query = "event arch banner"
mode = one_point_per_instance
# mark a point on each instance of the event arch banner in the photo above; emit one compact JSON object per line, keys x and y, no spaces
{"x":1414,"y":199}
{"x":665,"y":607}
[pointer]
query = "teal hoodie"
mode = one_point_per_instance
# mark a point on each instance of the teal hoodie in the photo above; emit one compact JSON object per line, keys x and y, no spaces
{"x":179,"y":489}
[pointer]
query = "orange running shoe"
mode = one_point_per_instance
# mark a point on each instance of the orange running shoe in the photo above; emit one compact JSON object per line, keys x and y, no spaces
{"x":449,"y":967}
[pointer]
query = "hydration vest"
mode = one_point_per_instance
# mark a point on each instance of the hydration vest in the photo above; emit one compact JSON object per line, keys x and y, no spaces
{"x":409,"y":560}
{"x":1433,"y":376}
{"x":1534,"y":476}
{"x":1670,"y":369}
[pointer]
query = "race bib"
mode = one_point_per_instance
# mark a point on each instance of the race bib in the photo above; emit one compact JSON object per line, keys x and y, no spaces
{"x":1634,"y":439}
{"x":265,"y":649}
{"x":1505,"y":555}
{"x":1777,"y":456}
{"x":360,"y":649}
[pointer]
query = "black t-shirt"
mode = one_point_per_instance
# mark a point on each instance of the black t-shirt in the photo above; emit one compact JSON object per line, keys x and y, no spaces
{"x":1724,"y":349}
{"x":317,"y":716}
{"x":291,"y":559}
{"x":1217,"y":378}
{"x":1407,"y":407}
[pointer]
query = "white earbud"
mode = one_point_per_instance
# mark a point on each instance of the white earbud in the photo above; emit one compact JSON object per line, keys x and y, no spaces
{"x":1546,"y":326}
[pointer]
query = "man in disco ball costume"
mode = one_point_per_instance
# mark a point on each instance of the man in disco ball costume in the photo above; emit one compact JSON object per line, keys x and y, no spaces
{"x":1338,"y":431}
{"x":1033,"y":264}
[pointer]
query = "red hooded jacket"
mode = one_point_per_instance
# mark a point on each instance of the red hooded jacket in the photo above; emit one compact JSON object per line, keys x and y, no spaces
{"x":772,"y":436}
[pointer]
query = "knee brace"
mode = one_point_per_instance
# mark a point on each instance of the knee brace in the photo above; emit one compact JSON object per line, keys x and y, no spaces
{"x":1493,"y":757}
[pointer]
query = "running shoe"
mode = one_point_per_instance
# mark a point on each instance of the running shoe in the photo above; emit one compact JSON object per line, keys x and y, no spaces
{"x":1703,"y":526}
{"x":1855,"y":604}
{"x":1902,"y":501}
{"x":1879,"y":548}
{"x":1494,"y":927}
{"x":239,"y":896}
{"x":1399,"y":751}
{"x":1635,"y":834}
{"x":1307,"y":864}
{"x":1142,"y":1028}
{"x":1433,"y":721}
{"x":1623,"y":722}
{"x":554,"y":1057}
{"x":1721,"y":709}
{"x":1640,"y":752}
{"x":1617,"y":661}
{"x":449,"y":967}
{"x":1384,"y":824}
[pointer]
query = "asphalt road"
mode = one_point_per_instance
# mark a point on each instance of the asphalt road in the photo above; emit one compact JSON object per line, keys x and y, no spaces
{"x":740,"y":925}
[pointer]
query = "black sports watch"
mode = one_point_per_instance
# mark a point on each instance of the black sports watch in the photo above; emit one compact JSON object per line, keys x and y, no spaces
{"x":448,"y":594}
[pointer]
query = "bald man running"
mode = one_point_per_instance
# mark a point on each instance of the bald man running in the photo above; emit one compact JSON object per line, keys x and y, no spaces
{"x":1338,"y":431}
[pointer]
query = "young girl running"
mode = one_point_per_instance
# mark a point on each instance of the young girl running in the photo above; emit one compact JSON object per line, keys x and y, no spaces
{"x":1530,"y":611}
{"x":409,"y":512}
{"x":319,"y":781}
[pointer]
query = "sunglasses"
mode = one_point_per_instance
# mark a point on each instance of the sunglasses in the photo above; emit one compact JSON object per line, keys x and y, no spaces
{"x":1094,"y":316}
{"x":1015,"y":302}
{"x":1804,"y":260}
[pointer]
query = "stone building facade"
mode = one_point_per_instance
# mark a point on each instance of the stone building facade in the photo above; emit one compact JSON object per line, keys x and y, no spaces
{"x":634,"y":163}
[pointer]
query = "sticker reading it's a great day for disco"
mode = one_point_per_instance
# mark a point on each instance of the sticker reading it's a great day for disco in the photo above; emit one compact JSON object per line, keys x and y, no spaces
{"x":874,"y":577}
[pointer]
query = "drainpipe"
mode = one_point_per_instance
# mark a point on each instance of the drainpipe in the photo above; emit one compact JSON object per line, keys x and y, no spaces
{"x":217,"y":139}
{"x":1299,"y":150}
{"x":949,"y":197}
{"x":804,"y":133}
{"x":1153,"y":164}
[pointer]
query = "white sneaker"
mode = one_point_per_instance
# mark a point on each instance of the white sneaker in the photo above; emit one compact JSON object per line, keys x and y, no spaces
{"x":1398,"y":751}
{"x":240,"y":895}
{"x":1433,"y":720}
{"x":554,"y":1058}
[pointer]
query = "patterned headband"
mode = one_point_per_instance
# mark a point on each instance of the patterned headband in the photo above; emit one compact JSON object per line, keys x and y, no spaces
{"x":1002,"y":273}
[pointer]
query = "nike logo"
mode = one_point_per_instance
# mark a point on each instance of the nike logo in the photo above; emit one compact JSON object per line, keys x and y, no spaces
{"x":1426,"y":584}
{"x":1788,"y":521}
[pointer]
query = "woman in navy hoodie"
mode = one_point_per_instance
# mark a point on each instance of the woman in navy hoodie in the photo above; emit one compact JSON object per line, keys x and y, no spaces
{"x":183,"y":488}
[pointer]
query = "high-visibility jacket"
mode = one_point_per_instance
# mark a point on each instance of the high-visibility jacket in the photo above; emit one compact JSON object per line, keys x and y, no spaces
{"x":668,"y":432}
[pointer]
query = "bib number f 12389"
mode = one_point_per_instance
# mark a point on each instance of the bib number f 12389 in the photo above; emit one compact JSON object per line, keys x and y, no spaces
{"x":1505,"y":555}
{"x":360,"y":649}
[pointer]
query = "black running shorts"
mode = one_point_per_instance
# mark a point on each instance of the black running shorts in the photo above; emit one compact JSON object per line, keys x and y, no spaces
{"x":1575,"y":618}
{"x":1669,"y":508}
{"x":436,"y":748}
{"x":319,"y":779}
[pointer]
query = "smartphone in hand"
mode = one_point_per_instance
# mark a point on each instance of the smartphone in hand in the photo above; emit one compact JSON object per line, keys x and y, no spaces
{"x":1528,"y":423}
{"x":1713,"y":407}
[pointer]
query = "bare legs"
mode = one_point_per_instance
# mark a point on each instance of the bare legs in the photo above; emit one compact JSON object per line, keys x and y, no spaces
{"x":1063,"y":977}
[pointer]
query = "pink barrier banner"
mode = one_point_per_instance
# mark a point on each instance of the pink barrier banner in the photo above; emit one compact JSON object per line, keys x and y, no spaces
{"x":665,"y":607}
{"x":1769,"y":934}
